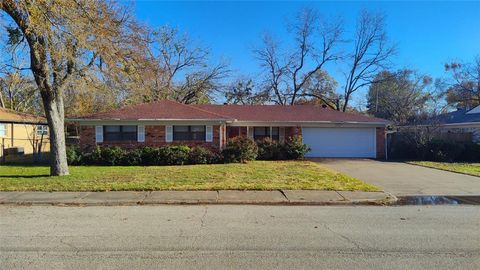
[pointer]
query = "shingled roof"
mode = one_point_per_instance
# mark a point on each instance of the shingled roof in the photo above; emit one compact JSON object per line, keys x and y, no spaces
{"x":171,"y":110}
{"x":279,"y":113}
{"x":160,"y":110}
{"x":11,"y":116}
{"x":459,"y":116}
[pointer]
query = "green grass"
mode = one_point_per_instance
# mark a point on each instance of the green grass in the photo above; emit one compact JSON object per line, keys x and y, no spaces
{"x":257,"y":175}
{"x":465,"y":168}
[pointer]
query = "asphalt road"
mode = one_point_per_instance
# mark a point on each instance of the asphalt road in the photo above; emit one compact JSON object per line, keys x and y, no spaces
{"x":240,"y":237}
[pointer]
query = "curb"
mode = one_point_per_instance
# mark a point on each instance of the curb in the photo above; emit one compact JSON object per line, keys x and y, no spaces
{"x":388,"y":199}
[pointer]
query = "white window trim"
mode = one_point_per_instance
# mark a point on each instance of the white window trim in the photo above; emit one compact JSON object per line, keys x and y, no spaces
{"x":140,"y":133}
{"x":99,"y":134}
{"x":40,"y":129}
{"x":209,"y":133}
{"x":168,"y":134}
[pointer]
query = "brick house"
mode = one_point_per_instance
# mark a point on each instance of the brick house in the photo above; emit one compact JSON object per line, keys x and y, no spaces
{"x":329,"y":133}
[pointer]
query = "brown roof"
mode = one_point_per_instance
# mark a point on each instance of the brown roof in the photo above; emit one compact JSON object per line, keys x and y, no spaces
{"x":171,"y":110}
{"x":164,"y":110}
{"x":279,"y":113}
{"x":10,"y":116}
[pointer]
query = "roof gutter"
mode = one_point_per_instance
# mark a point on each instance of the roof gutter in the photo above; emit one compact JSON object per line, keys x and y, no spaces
{"x":145,"y":119}
{"x":23,"y":122}
{"x":306,"y":123}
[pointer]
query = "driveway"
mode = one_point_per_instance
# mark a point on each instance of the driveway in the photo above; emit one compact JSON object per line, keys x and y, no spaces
{"x":400,"y":178}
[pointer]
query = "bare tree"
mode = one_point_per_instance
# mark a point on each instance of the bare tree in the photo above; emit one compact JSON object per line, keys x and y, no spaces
{"x":243,"y":92}
{"x":464,"y":86}
{"x":315,"y":42}
{"x":371,"y":53}
{"x":182,"y":71}
{"x":66,"y":38}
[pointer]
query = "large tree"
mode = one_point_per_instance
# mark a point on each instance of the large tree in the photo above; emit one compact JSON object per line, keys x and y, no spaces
{"x":287,"y":73}
{"x":400,"y":96}
{"x":371,"y":54}
{"x":464,"y":85}
{"x":181,"y":69}
{"x":66,"y":40}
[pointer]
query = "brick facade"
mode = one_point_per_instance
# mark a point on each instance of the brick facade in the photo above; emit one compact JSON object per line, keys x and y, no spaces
{"x":293,"y":131}
{"x":154,"y":137}
{"x":380,"y":133}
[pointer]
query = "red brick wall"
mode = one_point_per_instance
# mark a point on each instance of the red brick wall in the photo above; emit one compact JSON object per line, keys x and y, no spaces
{"x":233,"y":132}
{"x":154,"y":137}
{"x":380,"y":133}
{"x":87,"y":137}
{"x":292,"y":131}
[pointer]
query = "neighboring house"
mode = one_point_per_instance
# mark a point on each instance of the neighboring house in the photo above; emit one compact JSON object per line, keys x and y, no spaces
{"x":459,"y":121}
{"x":329,"y":133}
{"x":22,"y":133}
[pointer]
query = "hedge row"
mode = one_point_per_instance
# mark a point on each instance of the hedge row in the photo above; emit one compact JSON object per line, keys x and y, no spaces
{"x":436,"y":150}
{"x":239,"y":149}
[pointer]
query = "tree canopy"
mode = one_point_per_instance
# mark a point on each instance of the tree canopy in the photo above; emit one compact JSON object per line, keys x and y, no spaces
{"x":400,"y":96}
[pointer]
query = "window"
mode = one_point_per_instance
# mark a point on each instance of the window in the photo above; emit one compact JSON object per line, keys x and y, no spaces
{"x":189,"y":133}
{"x":3,"y":130}
{"x":42,"y":130}
{"x":119,"y":133}
{"x":260,"y":133}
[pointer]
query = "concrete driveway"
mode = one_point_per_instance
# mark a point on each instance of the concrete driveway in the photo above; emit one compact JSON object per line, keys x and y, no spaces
{"x":400,"y":178}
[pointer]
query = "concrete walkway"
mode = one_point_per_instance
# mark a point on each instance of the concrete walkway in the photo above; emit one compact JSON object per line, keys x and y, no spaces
{"x":285,"y":197}
{"x":402,"y":179}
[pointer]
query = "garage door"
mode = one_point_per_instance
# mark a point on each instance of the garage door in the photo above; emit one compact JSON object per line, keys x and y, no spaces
{"x":340,"y":142}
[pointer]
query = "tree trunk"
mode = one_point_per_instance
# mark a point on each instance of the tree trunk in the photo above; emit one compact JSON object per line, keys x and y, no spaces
{"x":56,"y":124}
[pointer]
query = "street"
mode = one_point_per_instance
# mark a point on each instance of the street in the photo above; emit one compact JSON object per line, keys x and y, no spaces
{"x":240,"y":237}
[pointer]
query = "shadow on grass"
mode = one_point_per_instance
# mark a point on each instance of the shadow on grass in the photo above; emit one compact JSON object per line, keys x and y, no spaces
{"x":24,"y":176}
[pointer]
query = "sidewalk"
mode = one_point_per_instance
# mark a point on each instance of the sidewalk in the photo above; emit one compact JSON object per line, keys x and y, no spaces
{"x":281,"y":197}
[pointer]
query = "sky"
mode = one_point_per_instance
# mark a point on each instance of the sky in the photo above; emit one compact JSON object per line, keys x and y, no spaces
{"x":427,"y":34}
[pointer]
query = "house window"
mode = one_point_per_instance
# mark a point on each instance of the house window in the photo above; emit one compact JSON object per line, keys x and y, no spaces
{"x":260,"y":133}
{"x":119,"y":133}
{"x":189,"y":133}
{"x":3,"y":130}
{"x":42,"y":130}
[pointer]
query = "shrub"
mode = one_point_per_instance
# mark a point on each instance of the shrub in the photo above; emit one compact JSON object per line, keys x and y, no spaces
{"x":74,"y":155}
{"x":202,"y":155}
{"x":112,"y":155}
{"x":150,"y":156}
{"x":173,"y":155}
{"x":93,"y":158}
{"x":240,"y":149}
{"x":132,"y":158}
{"x":445,"y":151}
{"x":434,"y":150}
{"x":295,"y":148}
{"x":270,"y":150}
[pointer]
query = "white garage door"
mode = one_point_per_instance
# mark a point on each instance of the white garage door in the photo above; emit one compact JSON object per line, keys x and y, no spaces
{"x":340,"y":142}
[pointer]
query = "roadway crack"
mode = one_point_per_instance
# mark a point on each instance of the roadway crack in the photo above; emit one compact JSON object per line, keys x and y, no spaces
{"x":202,"y":219}
{"x":202,"y":225}
{"x":344,"y":237}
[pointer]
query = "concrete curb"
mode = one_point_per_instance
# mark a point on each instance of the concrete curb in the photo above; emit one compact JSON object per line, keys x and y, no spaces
{"x":221,"y":197}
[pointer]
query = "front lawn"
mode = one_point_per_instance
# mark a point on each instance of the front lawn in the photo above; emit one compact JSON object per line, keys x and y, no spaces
{"x":466,"y":168}
{"x":256,"y":175}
